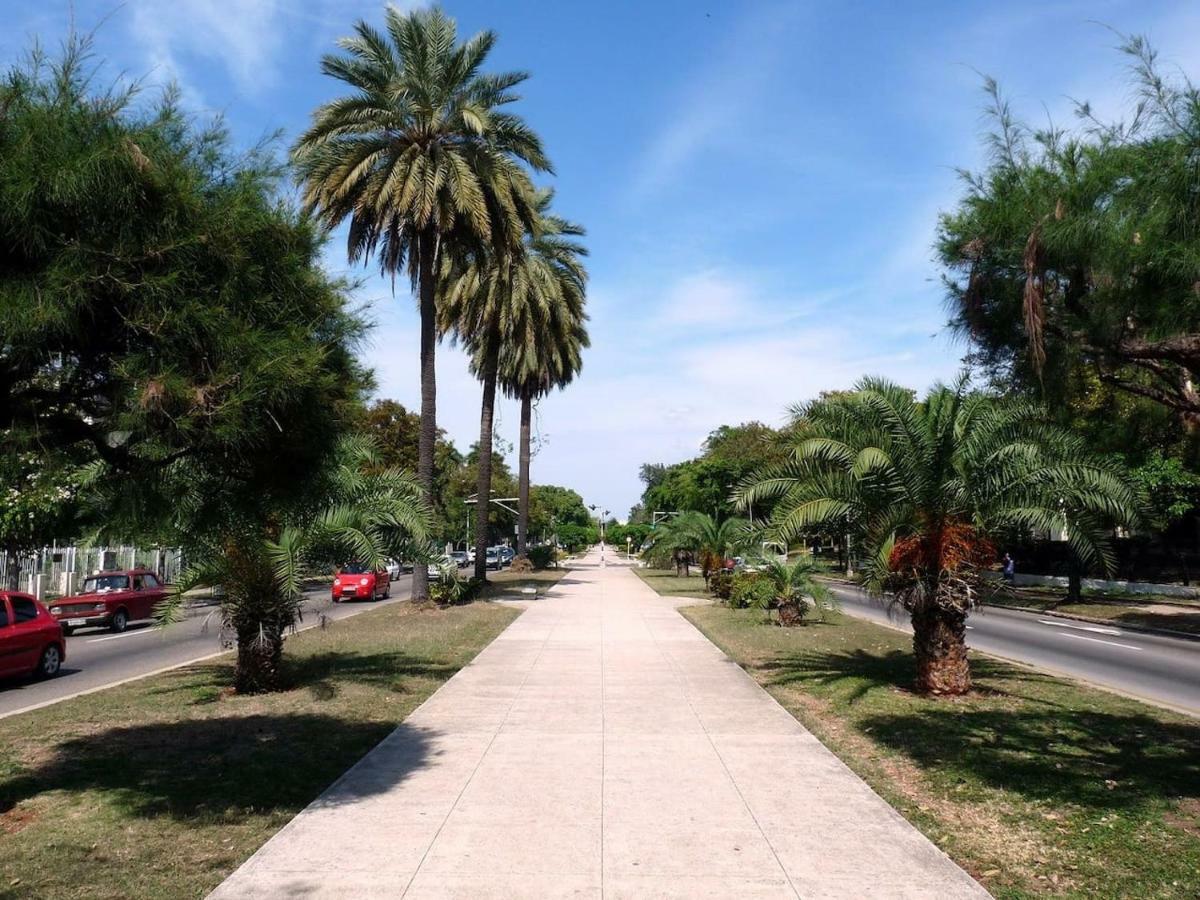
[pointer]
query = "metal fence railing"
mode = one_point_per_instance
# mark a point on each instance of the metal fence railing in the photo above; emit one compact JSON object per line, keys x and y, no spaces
{"x":59,"y":571}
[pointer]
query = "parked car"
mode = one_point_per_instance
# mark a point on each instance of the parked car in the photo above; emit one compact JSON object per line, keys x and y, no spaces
{"x":110,"y":600}
{"x":493,"y":558}
{"x":31,"y":641}
{"x":506,"y":555}
{"x":356,"y":581}
{"x":394,"y":568}
{"x":461,"y":558}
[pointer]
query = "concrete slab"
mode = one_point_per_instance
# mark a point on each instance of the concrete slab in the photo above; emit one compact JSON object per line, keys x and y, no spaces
{"x":600,"y":747}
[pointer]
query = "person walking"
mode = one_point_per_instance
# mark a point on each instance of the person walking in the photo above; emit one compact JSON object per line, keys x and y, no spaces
{"x":1009,"y":569}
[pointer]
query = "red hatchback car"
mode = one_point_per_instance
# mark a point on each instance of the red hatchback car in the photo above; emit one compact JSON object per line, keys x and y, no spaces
{"x":358,"y":582}
{"x":110,"y":600}
{"x":31,"y":642}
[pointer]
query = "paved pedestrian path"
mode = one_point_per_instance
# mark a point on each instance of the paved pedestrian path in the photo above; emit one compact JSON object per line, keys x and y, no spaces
{"x":600,"y":747}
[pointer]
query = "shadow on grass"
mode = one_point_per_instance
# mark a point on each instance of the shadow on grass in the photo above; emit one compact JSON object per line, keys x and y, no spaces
{"x":226,"y":769}
{"x":1018,"y":731}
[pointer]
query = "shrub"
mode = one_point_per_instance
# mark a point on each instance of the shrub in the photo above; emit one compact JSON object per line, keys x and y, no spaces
{"x":750,"y":591}
{"x":720,"y":585}
{"x":447,"y":589}
{"x":541,"y":556}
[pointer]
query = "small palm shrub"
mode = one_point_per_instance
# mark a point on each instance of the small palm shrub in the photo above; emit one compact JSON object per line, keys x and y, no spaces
{"x":541,"y":556}
{"x":720,"y":585}
{"x":752,"y":591}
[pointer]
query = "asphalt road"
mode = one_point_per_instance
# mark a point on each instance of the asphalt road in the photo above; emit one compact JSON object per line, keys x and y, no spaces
{"x":1161,"y":669}
{"x":97,"y":659}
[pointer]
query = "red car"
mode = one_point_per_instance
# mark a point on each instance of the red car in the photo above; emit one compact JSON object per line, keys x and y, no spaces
{"x":358,"y":582}
{"x":110,"y":600}
{"x":31,"y":642}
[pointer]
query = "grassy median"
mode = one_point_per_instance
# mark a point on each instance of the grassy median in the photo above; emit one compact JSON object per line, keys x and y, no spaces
{"x":161,"y":787}
{"x":1036,"y":785}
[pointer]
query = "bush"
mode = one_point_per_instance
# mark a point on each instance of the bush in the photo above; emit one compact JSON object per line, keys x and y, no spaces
{"x":720,"y":585}
{"x":541,"y":556}
{"x":750,"y":591}
{"x":447,"y":589}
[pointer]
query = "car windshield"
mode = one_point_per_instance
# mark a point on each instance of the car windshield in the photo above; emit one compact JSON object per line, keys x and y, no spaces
{"x":100,"y":584}
{"x":354,"y":569}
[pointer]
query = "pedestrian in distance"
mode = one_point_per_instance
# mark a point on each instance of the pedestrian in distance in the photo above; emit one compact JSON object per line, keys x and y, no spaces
{"x":1010,"y":569}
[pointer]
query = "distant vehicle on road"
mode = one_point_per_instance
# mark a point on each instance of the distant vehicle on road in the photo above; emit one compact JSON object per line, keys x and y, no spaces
{"x":493,"y":558}
{"x":31,"y":641}
{"x":461,"y":558}
{"x":506,"y":555}
{"x":110,"y":600}
{"x":396,"y":568}
{"x":356,"y":581}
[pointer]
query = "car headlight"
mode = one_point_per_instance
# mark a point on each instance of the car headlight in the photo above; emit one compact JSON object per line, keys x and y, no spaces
{"x":54,"y":611}
{"x":364,"y":581}
{"x":98,"y":606}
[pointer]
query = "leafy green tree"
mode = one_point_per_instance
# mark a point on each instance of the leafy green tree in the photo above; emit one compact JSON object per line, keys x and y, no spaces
{"x":163,"y":310}
{"x":423,"y":160}
{"x":38,"y":504}
{"x":396,"y":432}
{"x":1075,"y":252}
{"x":925,"y":487}
{"x":551,"y":505}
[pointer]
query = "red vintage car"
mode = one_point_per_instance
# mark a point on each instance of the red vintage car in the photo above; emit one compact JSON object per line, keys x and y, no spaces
{"x":110,"y":600}
{"x":356,"y":581}
{"x":31,"y":642}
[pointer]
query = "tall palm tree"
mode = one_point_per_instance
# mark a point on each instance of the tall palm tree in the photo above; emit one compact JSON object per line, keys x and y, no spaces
{"x":926,"y":488}
{"x":423,"y":161}
{"x":545,"y":349}
{"x":492,"y":302}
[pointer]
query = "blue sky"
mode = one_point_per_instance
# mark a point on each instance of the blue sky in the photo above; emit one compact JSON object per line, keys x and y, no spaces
{"x":760,"y":180}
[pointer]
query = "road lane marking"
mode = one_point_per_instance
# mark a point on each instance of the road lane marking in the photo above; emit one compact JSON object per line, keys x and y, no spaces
{"x":1100,"y":641}
{"x":1093,"y":628}
{"x":113,"y":637}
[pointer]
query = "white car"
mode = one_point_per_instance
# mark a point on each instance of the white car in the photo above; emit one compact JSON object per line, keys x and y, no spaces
{"x":393,"y":569}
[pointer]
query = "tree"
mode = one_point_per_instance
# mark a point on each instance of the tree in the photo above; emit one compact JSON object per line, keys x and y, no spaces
{"x":396,"y":433}
{"x":708,"y":540}
{"x":424,"y":162}
{"x":503,"y":307}
{"x":163,"y":313}
{"x":926,"y":487}
{"x":39,"y":505}
{"x":1076,"y":252}
{"x":544,"y":349}
{"x":551,"y":505}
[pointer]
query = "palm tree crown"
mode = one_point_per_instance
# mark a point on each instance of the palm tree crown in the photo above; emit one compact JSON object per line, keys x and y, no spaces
{"x":925,"y":487}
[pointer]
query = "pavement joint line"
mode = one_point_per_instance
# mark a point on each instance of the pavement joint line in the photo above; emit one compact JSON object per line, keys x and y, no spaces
{"x":724,"y":766}
{"x":482,"y":756}
{"x":179,"y":665}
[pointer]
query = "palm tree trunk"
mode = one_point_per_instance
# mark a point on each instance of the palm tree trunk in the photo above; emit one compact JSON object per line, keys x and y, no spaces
{"x":523,"y":477}
{"x":940,"y":646}
{"x":483,"y":497}
{"x":1074,"y":581}
{"x":428,"y":437}
{"x":259,"y":654}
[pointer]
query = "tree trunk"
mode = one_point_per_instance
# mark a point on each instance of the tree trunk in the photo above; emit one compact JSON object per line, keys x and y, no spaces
{"x":259,"y":653}
{"x":940,"y":645}
{"x":428,"y":437}
{"x":523,"y":476}
{"x":483,"y":497}
{"x":791,"y":612}
{"x":1074,"y":582}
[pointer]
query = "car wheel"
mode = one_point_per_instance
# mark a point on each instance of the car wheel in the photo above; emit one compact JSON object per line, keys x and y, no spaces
{"x":50,"y":662}
{"x":337,"y":599}
{"x":387,"y":590}
{"x":120,"y":621}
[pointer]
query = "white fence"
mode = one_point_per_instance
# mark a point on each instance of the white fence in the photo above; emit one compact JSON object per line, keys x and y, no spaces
{"x":59,"y":571}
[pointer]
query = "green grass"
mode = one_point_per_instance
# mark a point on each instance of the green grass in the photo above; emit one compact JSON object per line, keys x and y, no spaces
{"x":667,"y":583}
{"x":161,"y":787}
{"x":1036,"y":785}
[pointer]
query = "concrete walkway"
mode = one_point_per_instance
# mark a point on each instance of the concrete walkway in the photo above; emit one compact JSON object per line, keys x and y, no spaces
{"x":600,"y":747}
